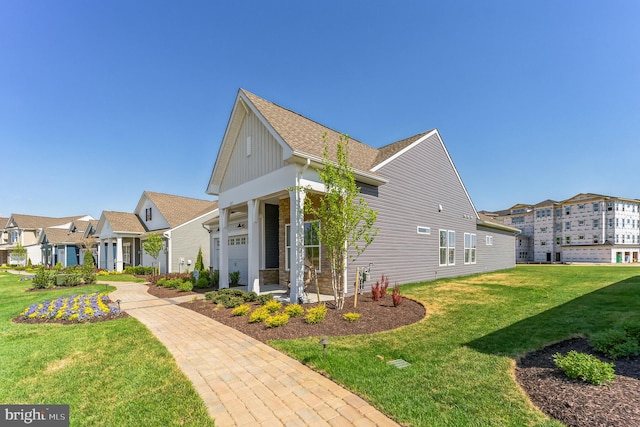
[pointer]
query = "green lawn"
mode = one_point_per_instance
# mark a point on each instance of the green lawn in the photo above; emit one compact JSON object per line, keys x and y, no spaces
{"x":111,"y":373}
{"x":462,"y":355}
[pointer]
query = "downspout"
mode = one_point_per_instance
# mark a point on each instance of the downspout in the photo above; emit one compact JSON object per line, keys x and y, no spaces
{"x":167,"y":234}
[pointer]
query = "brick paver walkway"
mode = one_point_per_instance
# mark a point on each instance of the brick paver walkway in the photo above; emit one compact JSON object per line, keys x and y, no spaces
{"x":243,"y":381}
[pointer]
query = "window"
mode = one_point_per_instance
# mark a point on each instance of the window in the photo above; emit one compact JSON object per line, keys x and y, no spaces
{"x":581,"y":222}
{"x":126,"y":253}
{"x":543,"y":243}
{"x":469,"y":248}
{"x":567,"y":225}
{"x":568,"y":239}
{"x":581,"y":237}
{"x":595,"y":239}
{"x":543,"y":229}
{"x":596,"y":223}
{"x":558,"y":212}
{"x":423,"y":230}
{"x":596,"y":207}
{"x":610,"y":206}
{"x":558,"y":227}
{"x":567,"y":210}
{"x":147,"y":214}
{"x":14,"y":237}
{"x":581,"y":206}
{"x":447,"y":247}
{"x":610,"y":222}
{"x":558,"y":240}
{"x":489,"y":240}
{"x":311,"y":245}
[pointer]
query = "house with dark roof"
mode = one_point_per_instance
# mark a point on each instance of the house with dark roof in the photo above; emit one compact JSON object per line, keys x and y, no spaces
{"x":177,"y":219}
{"x":428,"y":225}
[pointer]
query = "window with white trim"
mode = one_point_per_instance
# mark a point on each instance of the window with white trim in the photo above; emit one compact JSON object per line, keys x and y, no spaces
{"x":126,"y":253}
{"x":13,"y":237}
{"x":469,"y":248}
{"x":311,"y":244}
{"x":489,"y":240}
{"x":447,"y":244}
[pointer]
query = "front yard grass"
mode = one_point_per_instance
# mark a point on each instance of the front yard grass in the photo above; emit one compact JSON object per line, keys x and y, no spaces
{"x":462,"y":355}
{"x":112,"y":373}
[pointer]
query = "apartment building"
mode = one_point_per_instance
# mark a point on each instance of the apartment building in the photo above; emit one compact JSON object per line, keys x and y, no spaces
{"x":584,"y":228}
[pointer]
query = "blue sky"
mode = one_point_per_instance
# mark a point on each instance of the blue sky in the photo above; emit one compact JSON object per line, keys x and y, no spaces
{"x":102,"y":100}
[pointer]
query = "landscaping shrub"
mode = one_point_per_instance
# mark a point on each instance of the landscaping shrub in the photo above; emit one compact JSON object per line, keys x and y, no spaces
{"x":185,"y":286}
{"x":264,"y":298}
{"x":88,"y":269}
{"x":395,"y":295}
{"x":232,"y":302}
{"x":258,"y":315}
{"x":210,"y":295}
{"x":73,"y":279}
{"x":273,"y":306}
{"x":294,"y":310}
{"x":316,"y":314}
{"x":214,"y":278}
{"x":585,"y":367}
{"x":241,"y":310}
{"x":276,"y":320}
{"x":138,"y":270}
{"x":619,"y":341}
{"x":234,"y":278}
{"x":351,"y":317}
{"x":250,"y":296}
{"x":202,"y":282}
{"x":379,"y":290}
{"x":44,"y":278}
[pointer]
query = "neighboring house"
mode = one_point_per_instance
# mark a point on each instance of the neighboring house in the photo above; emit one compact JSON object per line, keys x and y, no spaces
{"x":429,"y":227}
{"x":4,"y":239}
{"x":178,"y":219}
{"x":68,"y":243}
{"x":584,"y":228}
{"x":26,"y":230}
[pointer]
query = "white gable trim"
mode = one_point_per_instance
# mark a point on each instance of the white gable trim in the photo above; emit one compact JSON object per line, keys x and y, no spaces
{"x":420,"y":140}
{"x":240,"y":110}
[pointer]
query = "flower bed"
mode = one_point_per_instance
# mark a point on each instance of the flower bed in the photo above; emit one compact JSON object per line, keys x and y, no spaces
{"x":76,"y":308}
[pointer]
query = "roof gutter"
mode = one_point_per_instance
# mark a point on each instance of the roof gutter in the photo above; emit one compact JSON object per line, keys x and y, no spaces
{"x":363,"y":176}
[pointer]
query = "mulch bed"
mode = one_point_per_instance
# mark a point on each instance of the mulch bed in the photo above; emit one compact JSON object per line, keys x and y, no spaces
{"x":575,"y":402}
{"x":376,"y":316}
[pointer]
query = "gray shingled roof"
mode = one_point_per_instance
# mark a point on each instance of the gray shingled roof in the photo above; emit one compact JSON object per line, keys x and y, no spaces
{"x":177,"y":209}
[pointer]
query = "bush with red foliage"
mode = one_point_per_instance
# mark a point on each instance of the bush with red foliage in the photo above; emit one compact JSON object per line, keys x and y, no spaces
{"x":395,"y":295}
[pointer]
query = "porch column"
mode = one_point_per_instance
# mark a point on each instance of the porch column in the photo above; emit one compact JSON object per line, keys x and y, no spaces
{"x":253,"y":249}
{"x":119,"y":258}
{"x":109,"y":255}
{"x":224,"y":252}
{"x":100,"y":261}
{"x":296,"y":236}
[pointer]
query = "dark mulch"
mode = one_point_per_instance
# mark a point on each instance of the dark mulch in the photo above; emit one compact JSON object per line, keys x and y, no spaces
{"x":575,"y":402}
{"x":375,"y":317}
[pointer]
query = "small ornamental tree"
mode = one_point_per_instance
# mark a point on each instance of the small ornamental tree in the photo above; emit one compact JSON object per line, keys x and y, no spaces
{"x":199,"y":263}
{"x":19,"y":254}
{"x":345,"y":225}
{"x":88,"y":268}
{"x":152,"y":246}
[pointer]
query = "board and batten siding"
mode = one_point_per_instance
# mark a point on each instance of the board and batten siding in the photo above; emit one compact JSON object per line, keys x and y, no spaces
{"x":423,"y":190}
{"x":265,"y":156}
